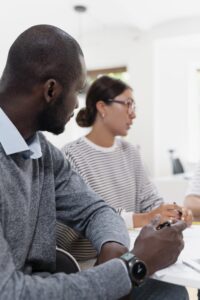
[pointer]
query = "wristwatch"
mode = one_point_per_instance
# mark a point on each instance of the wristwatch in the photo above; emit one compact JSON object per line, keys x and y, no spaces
{"x":137,"y":269}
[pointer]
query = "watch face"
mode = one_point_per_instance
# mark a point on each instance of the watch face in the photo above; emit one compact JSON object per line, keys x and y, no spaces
{"x":139,"y":270}
{"x":136,"y":268}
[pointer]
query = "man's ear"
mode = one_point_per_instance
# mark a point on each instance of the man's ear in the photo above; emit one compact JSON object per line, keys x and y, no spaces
{"x":51,"y":90}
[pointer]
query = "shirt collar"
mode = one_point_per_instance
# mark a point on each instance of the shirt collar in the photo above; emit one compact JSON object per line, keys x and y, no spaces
{"x":12,"y":141}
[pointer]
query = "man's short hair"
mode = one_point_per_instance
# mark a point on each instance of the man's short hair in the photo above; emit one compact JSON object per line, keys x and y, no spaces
{"x":39,"y":53}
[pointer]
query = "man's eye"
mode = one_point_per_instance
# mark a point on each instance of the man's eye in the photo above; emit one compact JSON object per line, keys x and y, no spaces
{"x":81,"y":92}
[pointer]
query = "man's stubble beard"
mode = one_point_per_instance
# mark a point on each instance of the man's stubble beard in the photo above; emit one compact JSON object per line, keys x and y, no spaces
{"x":50,"y":118}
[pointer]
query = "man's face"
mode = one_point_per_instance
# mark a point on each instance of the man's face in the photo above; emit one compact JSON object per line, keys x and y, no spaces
{"x":55,"y":117}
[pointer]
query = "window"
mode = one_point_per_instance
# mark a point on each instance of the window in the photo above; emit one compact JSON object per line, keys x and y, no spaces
{"x":118,"y":72}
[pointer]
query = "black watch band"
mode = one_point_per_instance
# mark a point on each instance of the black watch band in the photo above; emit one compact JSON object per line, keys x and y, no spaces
{"x":136,"y":268}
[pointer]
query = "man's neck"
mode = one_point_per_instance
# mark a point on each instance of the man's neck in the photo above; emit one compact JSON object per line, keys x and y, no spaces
{"x":20,"y":119}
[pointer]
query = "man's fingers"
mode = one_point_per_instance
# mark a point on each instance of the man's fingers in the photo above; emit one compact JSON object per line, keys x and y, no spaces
{"x":180,"y":226}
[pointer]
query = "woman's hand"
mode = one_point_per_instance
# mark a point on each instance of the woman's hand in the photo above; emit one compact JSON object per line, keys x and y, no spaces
{"x":172,"y":212}
{"x":166,"y":212}
{"x":187,"y":216}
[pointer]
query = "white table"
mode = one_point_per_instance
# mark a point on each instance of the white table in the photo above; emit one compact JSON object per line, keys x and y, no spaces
{"x":179,"y":273}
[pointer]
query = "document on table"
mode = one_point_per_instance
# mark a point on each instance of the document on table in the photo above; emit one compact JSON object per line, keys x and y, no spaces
{"x":192,"y":263}
{"x":180,"y":273}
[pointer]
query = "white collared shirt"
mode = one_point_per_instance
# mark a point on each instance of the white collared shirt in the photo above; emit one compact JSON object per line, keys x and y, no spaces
{"x":13,"y":142}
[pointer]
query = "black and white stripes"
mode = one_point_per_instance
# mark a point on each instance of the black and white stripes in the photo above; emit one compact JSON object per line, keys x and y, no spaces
{"x":117,"y":175}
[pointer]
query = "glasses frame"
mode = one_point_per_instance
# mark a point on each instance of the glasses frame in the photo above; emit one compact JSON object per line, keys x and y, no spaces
{"x":130,"y":103}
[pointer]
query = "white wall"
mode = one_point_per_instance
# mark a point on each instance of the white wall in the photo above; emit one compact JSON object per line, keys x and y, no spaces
{"x":174,"y":59}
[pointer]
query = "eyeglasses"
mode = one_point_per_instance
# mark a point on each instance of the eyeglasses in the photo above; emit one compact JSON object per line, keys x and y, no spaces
{"x":128,"y":102}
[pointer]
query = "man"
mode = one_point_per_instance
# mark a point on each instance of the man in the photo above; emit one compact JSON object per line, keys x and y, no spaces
{"x":38,"y":91}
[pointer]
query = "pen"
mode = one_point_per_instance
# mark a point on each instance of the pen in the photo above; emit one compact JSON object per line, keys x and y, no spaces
{"x":165,"y":224}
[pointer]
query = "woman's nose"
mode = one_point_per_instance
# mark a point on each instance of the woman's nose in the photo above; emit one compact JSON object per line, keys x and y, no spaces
{"x":133,"y":115}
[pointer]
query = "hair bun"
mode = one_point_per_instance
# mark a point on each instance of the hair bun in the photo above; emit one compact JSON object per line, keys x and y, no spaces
{"x":83,"y":118}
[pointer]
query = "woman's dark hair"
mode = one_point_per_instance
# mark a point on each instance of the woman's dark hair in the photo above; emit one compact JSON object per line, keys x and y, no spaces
{"x":103,"y":88}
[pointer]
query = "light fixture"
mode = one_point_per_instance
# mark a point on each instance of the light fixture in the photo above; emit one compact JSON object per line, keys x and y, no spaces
{"x":80,"y":9}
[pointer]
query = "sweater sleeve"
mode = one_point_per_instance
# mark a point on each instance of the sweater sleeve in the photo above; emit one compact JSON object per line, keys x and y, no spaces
{"x":107,"y":281}
{"x":82,"y":209}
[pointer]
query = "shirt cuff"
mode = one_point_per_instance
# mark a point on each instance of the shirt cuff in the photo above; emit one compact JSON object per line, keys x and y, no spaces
{"x":123,"y":263}
{"x":128,"y":219}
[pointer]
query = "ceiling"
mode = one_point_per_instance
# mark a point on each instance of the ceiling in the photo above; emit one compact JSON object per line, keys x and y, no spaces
{"x":100,"y":15}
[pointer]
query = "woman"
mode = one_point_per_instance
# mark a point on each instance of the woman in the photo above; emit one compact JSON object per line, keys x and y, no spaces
{"x":192,"y":199}
{"x":111,"y":166}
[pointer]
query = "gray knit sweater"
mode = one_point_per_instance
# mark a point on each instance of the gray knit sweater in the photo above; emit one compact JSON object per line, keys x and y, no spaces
{"x":33,"y":194}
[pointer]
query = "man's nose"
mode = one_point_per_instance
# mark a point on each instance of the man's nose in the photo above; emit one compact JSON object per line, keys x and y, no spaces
{"x":77,"y":104}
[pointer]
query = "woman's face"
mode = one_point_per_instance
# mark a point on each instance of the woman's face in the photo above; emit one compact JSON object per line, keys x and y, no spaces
{"x":119,"y":115}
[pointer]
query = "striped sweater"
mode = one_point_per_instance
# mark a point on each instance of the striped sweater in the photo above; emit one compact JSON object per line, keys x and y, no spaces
{"x":116,"y":174}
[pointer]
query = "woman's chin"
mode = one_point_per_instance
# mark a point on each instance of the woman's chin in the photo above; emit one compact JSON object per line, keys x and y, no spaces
{"x":124,"y":133}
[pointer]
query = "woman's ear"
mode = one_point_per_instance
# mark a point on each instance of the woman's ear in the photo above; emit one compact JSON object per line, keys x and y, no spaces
{"x":101,"y":108}
{"x":51,"y":90}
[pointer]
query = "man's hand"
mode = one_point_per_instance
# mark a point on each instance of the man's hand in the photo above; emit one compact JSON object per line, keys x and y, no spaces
{"x":110,"y":250}
{"x":159,"y":248}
